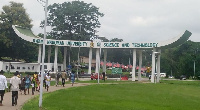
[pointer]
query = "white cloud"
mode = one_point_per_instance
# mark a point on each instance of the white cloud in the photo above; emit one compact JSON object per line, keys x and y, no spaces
{"x":134,"y":20}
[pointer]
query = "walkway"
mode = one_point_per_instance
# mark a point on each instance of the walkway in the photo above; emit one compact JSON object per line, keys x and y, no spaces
{"x":7,"y":102}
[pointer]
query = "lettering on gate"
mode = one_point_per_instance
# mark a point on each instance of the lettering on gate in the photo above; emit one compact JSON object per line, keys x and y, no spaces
{"x":98,"y":44}
{"x":144,"y":44}
{"x":111,"y":44}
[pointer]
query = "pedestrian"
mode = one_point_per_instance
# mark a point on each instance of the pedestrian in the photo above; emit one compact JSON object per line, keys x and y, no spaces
{"x":48,"y":79}
{"x":57,"y":78}
{"x":14,"y":84}
{"x":104,"y":76}
{"x":22,"y":85}
{"x":33,"y":84}
{"x":64,"y":76}
{"x":38,"y":81}
{"x":44,"y":80}
{"x":27,"y":83}
{"x":72,"y":77}
{"x":3,"y":85}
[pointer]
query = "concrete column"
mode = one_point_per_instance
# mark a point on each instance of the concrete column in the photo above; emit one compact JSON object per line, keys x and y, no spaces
{"x":134,"y":64}
{"x":90,"y":60}
{"x":140,"y":65}
{"x":104,"y":62}
{"x":39,"y":53}
{"x":158,"y":65}
{"x":69,"y":55}
{"x":65,"y":59}
{"x":97,"y":60}
{"x":55,"y":59}
{"x":153,"y":66}
{"x":49,"y":54}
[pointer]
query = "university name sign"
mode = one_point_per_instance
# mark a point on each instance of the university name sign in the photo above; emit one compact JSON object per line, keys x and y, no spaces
{"x":63,"y":42}
{"x":95,"y":44}
{"x":128,"y":45}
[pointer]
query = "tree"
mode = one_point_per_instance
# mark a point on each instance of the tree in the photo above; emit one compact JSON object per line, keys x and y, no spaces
{"x":116,"y":40}
{"x":10,"y":44}
{"x":72,"y":19}
{"x":180,"y":60}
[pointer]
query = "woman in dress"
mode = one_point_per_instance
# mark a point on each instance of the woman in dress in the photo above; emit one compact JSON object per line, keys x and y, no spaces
{"x":27,"y":83}
{"x":73,"y":77}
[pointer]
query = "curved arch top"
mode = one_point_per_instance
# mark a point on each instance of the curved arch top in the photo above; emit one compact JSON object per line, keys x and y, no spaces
{"x":176,"y":41}
{"x":27,"y":35}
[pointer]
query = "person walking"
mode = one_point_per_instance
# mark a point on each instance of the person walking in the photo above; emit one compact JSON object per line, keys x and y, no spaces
{"x":3,"y":85}
{"x":38,"y":82}
{"x":72,"y":77}
{"x":27,"y":83}
{"x":14,"y":84}
{"x":22,"y":85}
{"x":48,"y":79}
{"x":57,"y":78}
{"x":33,"y":84}
{"x":104,"y":76}
{"x":64,"y":76}
{"x":44,"y":80}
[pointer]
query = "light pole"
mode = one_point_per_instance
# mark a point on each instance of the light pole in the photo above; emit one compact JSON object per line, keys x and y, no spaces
{"x":194,"y":68}
{"x":195,"y":52}
{"x":43,"y":55}
{"x":78,"y":52}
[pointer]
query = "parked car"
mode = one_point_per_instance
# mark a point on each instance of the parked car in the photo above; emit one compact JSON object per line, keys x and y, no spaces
{"x":171,"y":76}
{"x":95,"y":76}
{"x":182,"y":77}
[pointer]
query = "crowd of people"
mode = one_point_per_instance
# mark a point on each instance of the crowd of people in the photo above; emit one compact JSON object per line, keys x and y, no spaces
{"x":23,"y":84}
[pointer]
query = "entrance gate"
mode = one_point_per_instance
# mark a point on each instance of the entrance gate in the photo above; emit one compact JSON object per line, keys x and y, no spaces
{"x":96,"y":44}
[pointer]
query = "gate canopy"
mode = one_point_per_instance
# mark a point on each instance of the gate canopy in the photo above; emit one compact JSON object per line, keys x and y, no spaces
{"x":28,"y":35}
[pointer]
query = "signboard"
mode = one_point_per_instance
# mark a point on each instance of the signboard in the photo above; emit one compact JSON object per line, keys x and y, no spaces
{"x":63,"y":42}
{"x":95,"y":44}
{"x":116,"y":71}
{"x":127,"y":45}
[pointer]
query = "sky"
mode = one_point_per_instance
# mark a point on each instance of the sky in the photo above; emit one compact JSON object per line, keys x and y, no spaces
{"x":133,"y":20}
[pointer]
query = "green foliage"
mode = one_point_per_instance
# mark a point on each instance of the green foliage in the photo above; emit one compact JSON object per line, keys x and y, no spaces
{"x":180,"y":60}
{"x":116,"y":40}
{"x":10,"y":44}
{"x":66,"y":18}
{"x":11,"y":74}
{"x":71,"y":21}
{"x":169,"y":95}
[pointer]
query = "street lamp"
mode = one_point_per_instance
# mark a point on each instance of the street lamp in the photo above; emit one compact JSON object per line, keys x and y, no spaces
{"x":43,"y":54}
{"x":194,"y":68}
{"x":78,"y":52}
{"x":157,"y":67}
{"x":195,"y":52}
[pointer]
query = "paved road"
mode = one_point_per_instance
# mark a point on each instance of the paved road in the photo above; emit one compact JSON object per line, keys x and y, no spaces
{"x":7,"y":102}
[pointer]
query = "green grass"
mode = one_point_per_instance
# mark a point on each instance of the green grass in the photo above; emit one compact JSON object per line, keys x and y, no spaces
{"x":9,"y":75}
{"x":167,"y":95}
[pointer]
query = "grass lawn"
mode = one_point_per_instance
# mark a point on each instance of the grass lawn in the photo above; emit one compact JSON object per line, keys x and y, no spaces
{"x":167,"y":95}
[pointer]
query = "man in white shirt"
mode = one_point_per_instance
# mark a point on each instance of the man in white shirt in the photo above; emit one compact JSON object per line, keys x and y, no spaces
{"x":14,"y":84}
{"x":48,"y":79}
{"x":3,"y":85}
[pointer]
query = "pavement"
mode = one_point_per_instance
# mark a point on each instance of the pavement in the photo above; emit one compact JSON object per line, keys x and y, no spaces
{"x":7,"y":101}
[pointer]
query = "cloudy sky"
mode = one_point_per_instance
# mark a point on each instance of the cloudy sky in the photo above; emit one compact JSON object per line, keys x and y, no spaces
{"x":134,"y":20}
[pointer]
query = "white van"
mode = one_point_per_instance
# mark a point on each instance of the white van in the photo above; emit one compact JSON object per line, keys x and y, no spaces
{"x":161,"y":74}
